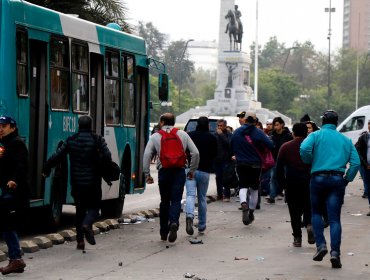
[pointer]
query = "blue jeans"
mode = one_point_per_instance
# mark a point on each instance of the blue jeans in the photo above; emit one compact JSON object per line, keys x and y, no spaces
{"x":274,"y":187}
{"x":171,"y":183}
{"x":12,"y":241}
{"x":365,"y":178}
{"x":197,"y":186}
{"x":85,"y":215}
{"x":327,"y":192}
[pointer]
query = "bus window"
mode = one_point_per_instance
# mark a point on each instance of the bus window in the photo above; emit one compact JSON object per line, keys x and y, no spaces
{"x":59,"y":71}
{"x":112,"y":89}
{"x":22,"y":63}
{"x":80,"y":74}
{"x":128,"y":90}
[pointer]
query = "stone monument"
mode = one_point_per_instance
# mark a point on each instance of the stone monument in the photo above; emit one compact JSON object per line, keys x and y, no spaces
{"x":233,"y":93}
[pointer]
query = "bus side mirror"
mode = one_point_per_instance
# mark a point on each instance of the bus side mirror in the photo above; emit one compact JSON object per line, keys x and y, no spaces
{"x":163,"y":87}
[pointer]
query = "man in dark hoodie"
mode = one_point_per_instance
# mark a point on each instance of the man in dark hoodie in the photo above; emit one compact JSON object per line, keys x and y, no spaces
{"x":248,"y":163}
{"x":279,"y":136}
{"x":206,"y":143}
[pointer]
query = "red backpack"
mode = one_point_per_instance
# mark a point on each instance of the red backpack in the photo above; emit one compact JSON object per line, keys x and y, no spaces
{"x":172,"y":153}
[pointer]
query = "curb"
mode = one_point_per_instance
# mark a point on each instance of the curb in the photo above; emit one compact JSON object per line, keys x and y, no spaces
{"x":67,"y":235}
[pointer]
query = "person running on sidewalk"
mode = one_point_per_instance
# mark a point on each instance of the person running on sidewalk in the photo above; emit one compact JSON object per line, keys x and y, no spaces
{"x":248,"y":163}
{"x":329,"y":151}
{"x":171,"y":180}
{"x":14,"y":199}
{"x":294,"y":176}
{"x":83,"y":150}
{"x":279,"y":136}
{"x":206,"y":143}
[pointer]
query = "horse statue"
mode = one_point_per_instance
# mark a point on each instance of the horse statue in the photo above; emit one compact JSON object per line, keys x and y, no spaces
{"x":235,"y":29}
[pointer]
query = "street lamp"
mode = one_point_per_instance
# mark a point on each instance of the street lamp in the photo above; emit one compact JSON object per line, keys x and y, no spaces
{"x":180,"y":66}
{"x":329,"y":10}
{"x":287,"y":56}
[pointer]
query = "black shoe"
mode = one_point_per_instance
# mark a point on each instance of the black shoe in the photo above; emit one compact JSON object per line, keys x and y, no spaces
{"x":270,"y":200}
{"x":320,"y":254}
{"x":364,"y":195}
{"x":251,"y":216}
{"x":189,"y":226}
{"x":310,"y":235}
{"x":297,"y":242}
{"x":335,"y":261}
{"x":245,"y":215}
{"x":258,"y":207}
{"x":80,"y":245}
{"x":173,"y":233}
{"x":164,"y":237}
{"x":89,"y":234}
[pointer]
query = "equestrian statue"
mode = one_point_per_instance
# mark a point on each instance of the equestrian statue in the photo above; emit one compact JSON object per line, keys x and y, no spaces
{"x":235,"y":28}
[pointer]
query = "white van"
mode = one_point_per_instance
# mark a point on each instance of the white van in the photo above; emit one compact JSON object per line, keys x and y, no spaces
{"x":355,"y":124}
{"x":231,"y":121}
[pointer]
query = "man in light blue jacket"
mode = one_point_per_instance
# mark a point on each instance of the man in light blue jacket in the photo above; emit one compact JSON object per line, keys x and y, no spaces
{"x":328,"y":151}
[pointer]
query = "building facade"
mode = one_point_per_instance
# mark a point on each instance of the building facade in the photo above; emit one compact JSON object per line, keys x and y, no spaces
{"x":356,"y":25}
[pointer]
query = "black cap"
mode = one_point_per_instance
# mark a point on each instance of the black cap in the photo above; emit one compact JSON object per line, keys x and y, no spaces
{"x":7,"y":120}
{"x":241,"y":114}
{"x":330,"y":116}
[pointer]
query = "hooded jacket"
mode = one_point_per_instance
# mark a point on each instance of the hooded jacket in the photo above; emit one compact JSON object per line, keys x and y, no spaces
{"x":244,"y":152}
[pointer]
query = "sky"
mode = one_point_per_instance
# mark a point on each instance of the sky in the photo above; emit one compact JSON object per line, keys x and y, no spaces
{"x":288,"y":20}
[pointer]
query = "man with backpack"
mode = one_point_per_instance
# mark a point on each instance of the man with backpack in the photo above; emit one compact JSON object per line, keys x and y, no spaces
{"x":170,"y":144}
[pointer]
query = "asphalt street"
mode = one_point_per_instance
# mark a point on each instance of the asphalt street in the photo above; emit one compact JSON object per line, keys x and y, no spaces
{"x":229,"y":249}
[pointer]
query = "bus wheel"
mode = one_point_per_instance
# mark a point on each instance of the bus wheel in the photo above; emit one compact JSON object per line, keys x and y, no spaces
{"x":53,"y":211}
{"x":112,"y":208}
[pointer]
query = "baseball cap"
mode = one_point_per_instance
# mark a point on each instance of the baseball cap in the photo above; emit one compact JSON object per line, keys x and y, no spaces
{"x":7,"y":120}
{"x":269,"y":121}
{"x":241,"y":114}
{"x":250,"y":117}
{"x":330,"y":116}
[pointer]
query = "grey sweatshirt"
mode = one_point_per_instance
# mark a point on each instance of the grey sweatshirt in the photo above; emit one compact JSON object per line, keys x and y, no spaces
{"x":154,"y":145}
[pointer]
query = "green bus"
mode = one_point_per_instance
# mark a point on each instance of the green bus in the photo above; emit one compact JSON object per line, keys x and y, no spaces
{"x":54,"y":68}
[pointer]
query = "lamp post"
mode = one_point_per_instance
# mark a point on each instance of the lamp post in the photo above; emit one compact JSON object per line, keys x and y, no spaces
{"x":287,"y":56}
{"x":329,"y":10}
{"x":180,"y":66}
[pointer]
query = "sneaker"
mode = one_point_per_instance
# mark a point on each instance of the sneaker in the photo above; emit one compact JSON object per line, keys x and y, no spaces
{"x":14,"y":266}
{"x":245,"y":215}
{"x":173,"y":233}
{"x":226,"y":199}
{"x":201,"y":230}
{"x":270,"y":200}
{"x":80,"y":245}
{"x":258,"y":207}
{"x":297,"y":242}
{"x":335,"y":260}
{"x":89,"y":234}
{"x":280,"y":196}
{"x":310,"y":235}
{"x":368,"y":214}
{"x":320,"y":254}
{"x":364,"y":195}
{"x":189,"y":226}
{"x":251,"y":216}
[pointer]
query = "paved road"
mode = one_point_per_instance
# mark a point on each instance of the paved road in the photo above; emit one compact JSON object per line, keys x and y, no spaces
{"x":136,"y":252}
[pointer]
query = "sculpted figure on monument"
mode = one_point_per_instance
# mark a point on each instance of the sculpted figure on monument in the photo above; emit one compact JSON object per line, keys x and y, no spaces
{"x":230,"y":67}
{"x":234,"y":27}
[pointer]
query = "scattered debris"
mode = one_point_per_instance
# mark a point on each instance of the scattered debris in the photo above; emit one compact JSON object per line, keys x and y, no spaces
{"x":195,"y":241}
{"x":240,"y":259}
{"x":356,"y":214}
{"x":350,"y":254}
{"x":189,"y":275}
{"x":120,"y":264}
{"x":260,"y":258}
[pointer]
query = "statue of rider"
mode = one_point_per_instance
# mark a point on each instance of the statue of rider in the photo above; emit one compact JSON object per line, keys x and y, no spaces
{"x":237,"y":14}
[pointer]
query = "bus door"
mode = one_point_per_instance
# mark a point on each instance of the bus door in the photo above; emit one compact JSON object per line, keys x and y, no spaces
{"x":142,"y":123}
{"x":38,"y":114}
{"x":96,"y":89}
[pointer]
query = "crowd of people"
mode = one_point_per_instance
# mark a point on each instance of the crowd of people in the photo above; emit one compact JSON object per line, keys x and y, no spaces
{"x":309,"y":167}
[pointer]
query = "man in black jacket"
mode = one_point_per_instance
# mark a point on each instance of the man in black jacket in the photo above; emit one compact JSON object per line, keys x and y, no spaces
{"x":363,"y":151}
{"x":198,"y":185}
{"x":14,"y":190}
{"x":83,"y":150}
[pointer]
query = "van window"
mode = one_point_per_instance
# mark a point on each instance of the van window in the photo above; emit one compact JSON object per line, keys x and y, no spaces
{"x":355,"y":123}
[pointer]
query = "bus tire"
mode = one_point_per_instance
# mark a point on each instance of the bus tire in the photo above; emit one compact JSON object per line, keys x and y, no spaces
{"x":112,"y":208}
{"x":53,"y":212}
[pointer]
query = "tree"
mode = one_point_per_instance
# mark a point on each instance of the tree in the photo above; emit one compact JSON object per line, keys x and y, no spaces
{"x":97,"y":11}
{"x":155,"y":40}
